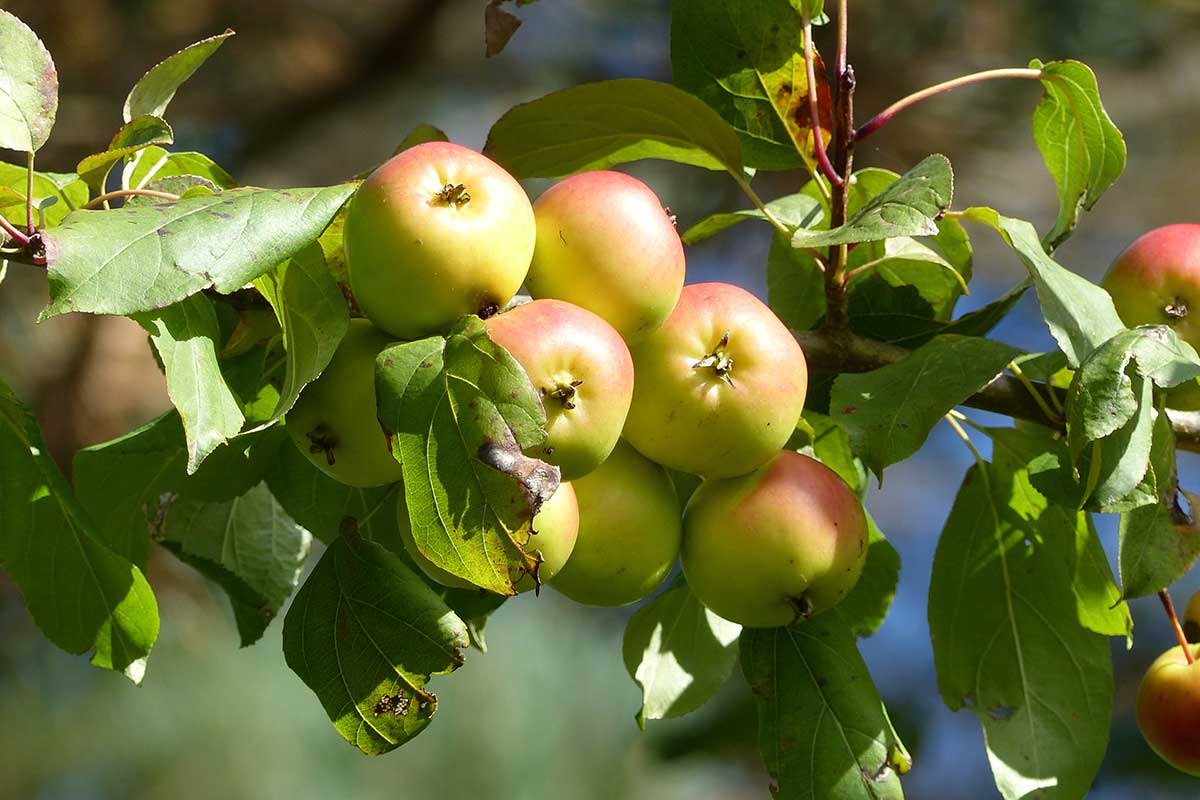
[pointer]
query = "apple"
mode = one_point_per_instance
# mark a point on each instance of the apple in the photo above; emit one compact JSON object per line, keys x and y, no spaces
{"x":719,"y":387}
{"x":781,"y":544}
{"x":335,"y":421}
{"x":1156,"y":281}
{"x":1168,"y":709}
{"x":436,"y":232}
{"x":629,"y":529}
{"x":1191,"y":618}
{"x":552,"y":535}
{"x":584,"y":372}
{"x":605,"y":242}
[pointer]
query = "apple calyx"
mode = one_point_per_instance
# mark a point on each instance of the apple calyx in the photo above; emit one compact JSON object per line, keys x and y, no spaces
{"x":564,"y":392}
{"x":323,"y":441}
{"x":1177,"y":309}
{"x":718,"y":360}
{"x":453,"y":194}
{"x":802,"y":606}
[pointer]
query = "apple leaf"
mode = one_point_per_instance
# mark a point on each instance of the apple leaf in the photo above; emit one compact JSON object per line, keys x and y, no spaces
{"x":28,"y":87}
{"x":54,"y":194}
{"x":248,"y":544}
{"x":1008,"y":642}
{"x":598,"y":125}
{"x":135,"y":135}
{"x":366,"y":634}
{"x":793,"y":210}
{"x":747,"y":62}
{"x":80,"y":593}
{"x":498,"y":28}
{"x":1082,"y":148}
{"x":823,"y":731}
{"x":145,"y":257}
{"x":889,"y":412}
{"x":1079,"y":314}
{"x":908,"y":207}
{"x":865,"y":608}
{"x":154,"y":163}
{"x":313,"y":316}
{"x":154,"y":91}
{"x":679,"y":652}
{"x":185,"y":335}
{"x":461,"y":411}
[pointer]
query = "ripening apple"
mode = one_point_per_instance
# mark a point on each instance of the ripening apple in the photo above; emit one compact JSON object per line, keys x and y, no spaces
{"x":605,"y":242}
{"x":719,"y":387}
{"x":552,"y":538}
{"x":1156,"y":281}
{"x":584,"y":373}
{"x":629,"y":531}
{"x":335,"y":422}
{"x":436,"y":232}
{"x":1168,"y":709}
{"x":781,"y":544}
{"x":1191,"y":618}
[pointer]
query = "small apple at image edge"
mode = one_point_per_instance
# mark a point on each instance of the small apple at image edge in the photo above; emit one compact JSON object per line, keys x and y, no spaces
{"x":1168,"y":709}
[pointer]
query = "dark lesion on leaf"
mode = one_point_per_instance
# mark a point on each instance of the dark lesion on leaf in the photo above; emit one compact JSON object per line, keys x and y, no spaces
{"x":537,"y":479}
{"x":395,"y":704}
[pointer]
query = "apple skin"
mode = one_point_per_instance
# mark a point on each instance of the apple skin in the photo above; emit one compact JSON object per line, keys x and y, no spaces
{"x":338,"y":410}
{"x":1191,"y":618}
{"x":787,"y":541}
{"x":1156,"y":281}
{"x":1168,"y":709}
{"x":629,"y":531}
{"x":604,"y":242}
{"x":555,"y":527}
{"x":559,"y":344}
{"x":685,"y":415}
{"x":418,"y":259}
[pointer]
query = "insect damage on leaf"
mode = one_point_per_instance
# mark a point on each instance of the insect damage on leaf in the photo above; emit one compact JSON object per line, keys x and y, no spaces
{"x":537,"y":479}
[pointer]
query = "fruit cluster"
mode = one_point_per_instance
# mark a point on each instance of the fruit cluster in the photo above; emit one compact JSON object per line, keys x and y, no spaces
{"x":639,"y":376}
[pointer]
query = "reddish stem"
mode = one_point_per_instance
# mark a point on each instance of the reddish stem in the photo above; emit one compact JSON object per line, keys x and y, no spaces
{"x":1183,"y":642}
{"x":14,"y":233}
{"x":813,"y":111}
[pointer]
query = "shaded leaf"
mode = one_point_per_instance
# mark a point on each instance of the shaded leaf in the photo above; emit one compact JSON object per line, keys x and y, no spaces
{"x":498,"y":28}
{"x":56,"y":194}
{"x":865,"y":608}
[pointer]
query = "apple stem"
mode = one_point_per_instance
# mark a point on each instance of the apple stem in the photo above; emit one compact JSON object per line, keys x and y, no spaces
{"x":813,"y":111}
{"x":14,"y":233}
{"x":1183,"y":642}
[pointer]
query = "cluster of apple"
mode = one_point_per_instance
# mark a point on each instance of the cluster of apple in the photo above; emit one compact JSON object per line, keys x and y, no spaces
{"x":637,"y":373}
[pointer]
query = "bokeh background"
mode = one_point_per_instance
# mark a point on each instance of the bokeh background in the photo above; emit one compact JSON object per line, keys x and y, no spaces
{"x":314,"y":91}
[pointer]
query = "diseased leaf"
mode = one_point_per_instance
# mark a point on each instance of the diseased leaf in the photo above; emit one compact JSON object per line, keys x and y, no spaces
{"x":28,"y":87}
{"x":80,"y":593}
{"x":498,"y":28}
{"x":153,"y":92}
{"x":145,"y":257}
{"x":365,"y":634}
{"x":598,"y":125}
{"x":679,"y":653}
{"x":1081,"y":146}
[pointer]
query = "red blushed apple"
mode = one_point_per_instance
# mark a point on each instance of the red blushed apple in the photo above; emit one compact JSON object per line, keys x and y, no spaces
{"x":1168,"y":709}
{"x":783,"y":543}
{"x":584,"y":372}
{"x":718,"y":388}
{"x":436,"y":232}
{"x":604,"y":242}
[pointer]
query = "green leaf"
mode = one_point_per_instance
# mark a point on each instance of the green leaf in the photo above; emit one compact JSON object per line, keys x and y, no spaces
{"x":250,"y":538}
{"x":56,"y":194}
{"x":1008,"y":642}
{"x":153,"y":92}
{"x":365,"y":634}
{"x":1081,"y":146}
{"x":181,"y":185}
{"x":795,"y":284}
{"x":421,"y":134}
{"x":865,"y":608}
{"x":141,"y":258}
{"x":133,"y":136}
{"x":154,"y":163}
{"x":747,"y":62}
{"x":1079,"y":314}
{"x":908,"y":207}
{"x":823,"y":731}
{"x":313,"y":316}
{"x":461,"y":411}
{"x":28,"y":87}
{"x":597,"y":125}
{"x":81,"y":594}
{"x":793,"y":210}
{"x":185,"y":334}
{"x":829,"y":443}
{"x":889,"y":412}
{"x":473,"y":606}
{"x":679,"y":653}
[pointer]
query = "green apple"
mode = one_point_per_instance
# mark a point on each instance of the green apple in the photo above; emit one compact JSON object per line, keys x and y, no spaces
{"x":584,"y":372}
{"x":605,"y":242}
{"x":335,"y":422}
{"x":629,"y":531}
{"x":719,"y":387}
{"x":1156,"y":281}
{"x":1191,"y":618}
{"x":1168,"y":709}
{"x":781,"y":544}
{"x":436,"y":232}
{"x":552,"y":537}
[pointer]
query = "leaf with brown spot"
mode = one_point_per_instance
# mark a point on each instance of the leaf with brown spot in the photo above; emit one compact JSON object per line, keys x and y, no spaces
{"x":28,"y":87}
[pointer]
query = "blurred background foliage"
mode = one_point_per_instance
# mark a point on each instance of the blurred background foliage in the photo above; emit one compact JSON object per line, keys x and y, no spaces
{"x":313,"y":91}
